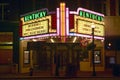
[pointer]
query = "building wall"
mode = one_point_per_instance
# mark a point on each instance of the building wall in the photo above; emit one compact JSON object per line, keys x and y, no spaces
{"x":6,"y":51}
{"x":112,"y":25}
{"x":112,"y":7}
{"x":118,"y":57}
{"x":87,"y":65}
{"x":23,"y":68}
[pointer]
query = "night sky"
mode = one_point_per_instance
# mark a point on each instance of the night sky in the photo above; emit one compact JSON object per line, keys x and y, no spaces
{"x":15,"y":8}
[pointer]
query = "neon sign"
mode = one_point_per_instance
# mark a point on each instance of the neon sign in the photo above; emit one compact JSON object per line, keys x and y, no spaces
{"x":90,"y":15}
{"x":36,"y":15}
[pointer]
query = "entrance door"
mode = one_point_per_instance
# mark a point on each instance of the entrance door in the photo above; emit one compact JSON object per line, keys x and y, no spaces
{"x":63,"y":55}
{"x":42,"y":60}
{"x":76,"y":57}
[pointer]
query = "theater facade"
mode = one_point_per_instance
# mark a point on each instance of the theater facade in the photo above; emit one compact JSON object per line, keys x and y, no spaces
{"x":66,"y":33}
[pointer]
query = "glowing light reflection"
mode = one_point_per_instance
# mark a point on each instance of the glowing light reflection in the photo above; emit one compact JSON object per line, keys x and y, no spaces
{"x":88,"y":36}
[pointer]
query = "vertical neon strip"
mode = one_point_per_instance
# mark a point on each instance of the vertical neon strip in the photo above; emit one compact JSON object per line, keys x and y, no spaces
{"x":62,"y":18}
{"x":62,"y":22}
{"x":58,"y":21}
{"x":67,"y":21}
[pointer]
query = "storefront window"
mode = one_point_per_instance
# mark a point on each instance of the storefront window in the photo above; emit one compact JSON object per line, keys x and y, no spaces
{"x":112,"y":60}
{"x":26,"y":57}
{"x":97,"y":56}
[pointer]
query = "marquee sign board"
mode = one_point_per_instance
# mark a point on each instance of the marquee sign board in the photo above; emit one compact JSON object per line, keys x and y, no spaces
{"x":40,"y":27}
{"x":35,"y":23}
{"x":36,"y":27}
{"x":84,"y":27}
{"x":83,"y":20}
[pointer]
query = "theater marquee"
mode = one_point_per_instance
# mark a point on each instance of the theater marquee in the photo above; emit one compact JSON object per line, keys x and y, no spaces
{"x":83,"y":20}
{"x":40,"y":26}
{"x":42,"y":23}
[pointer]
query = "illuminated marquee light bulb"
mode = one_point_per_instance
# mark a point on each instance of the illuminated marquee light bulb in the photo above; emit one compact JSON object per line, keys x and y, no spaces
{"x":75,"y":38}
{"x":52,"y":40}
{"x":92,"y":25}
{"x":34,"y":40}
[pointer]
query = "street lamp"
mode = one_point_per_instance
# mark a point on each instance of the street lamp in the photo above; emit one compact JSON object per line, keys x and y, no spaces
{"x":93,"y":62}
